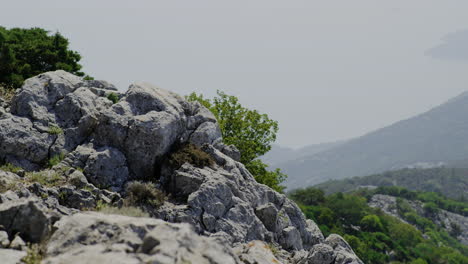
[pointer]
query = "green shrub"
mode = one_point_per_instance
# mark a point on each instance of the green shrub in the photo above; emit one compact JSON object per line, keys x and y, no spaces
{"x":56,"y":159}
{"x":113,"y":97}
{"x":191,"y":154}
{"x":143,"y":194}
{"x":54,"y":130}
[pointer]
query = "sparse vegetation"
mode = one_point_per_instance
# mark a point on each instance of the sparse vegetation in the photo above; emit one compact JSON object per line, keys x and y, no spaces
{"x":6,"y":93}
{"x":124,"y":210}
{"x":10,"y":168}
{"x":143,"y":194}
{"x":35,"y":254}
{"x":191,"y":154}
{"x":56,"y":159}
{"x":54,"y":130}
{"x":47,"y":178}
{"x":113,"y":97}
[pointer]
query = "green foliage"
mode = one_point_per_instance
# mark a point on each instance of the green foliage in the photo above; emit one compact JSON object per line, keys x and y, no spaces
{"x":431,"y":208}
{"x":309,"y":196}
{"x":251,"y":132}
{"x":143,"y":194}
{"x":450,"y":182}
{"x":28,"y":52}
{"x":54,"y":130}
{"x":273,"y":179}
{"x":192,"y":154}
{"x":113,"y":97}
{"x":373,"y":234}
{"x":371,"y":223}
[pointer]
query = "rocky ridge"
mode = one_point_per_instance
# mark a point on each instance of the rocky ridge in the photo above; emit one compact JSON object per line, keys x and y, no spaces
{"x":215,"y":212}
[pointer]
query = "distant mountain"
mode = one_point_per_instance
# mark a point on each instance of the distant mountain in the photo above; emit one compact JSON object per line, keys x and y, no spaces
{"x":451,"y":182}
{"x":279,"y":154}
{"x":431,"y":139}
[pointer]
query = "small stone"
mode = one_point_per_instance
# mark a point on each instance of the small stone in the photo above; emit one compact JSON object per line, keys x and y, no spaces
{"x":4,"y":241}
{"x":18,"y":243}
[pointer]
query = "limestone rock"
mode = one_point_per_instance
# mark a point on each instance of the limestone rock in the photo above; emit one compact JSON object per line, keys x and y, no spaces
{"x":4,"y":241}
{"x":18,"y":243}
{"x":10,"y":256}
{"x":344,"y":252}
{"x":121,"y":239}
{"x":321,"y":254}
{"x":256,"y":252}
{"x":27,"y":217}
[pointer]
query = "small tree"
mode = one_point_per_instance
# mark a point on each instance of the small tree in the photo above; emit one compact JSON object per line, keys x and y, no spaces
{"x":251,"y":132}
{"x":28,"y":52}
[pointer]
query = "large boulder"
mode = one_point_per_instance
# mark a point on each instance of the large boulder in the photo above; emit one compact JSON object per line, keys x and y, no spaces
{"x":148,"y":121}
{"x":98,"y":238}
{"x":27,"y":217}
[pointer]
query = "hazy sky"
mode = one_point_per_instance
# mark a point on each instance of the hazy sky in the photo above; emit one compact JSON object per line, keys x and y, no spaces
{"x":326,"y":70}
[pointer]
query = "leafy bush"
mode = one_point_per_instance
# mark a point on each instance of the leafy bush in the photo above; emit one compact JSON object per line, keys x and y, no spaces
{"x":113,"y":97}
{"x":143,"y":194}
{"x":54,"y":130}
{"x":191,"y":154}
{"x":251,"y":132}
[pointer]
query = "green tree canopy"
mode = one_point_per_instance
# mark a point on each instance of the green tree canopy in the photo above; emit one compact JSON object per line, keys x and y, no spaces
{"x":250,"y":131}
{"x":28,"y":52}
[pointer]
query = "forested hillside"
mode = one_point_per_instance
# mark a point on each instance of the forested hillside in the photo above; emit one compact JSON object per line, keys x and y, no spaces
{"x":378,"y":237}
{"x":451,"y":182}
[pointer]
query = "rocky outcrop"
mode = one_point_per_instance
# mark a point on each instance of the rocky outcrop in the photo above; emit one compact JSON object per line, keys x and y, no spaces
{"x":216,"y":211}
{"x":442,"y":218}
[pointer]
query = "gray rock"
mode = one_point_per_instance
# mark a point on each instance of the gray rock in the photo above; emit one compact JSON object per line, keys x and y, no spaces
{"x":291,"y":239}
{"x":4,"y":241}
{"x":26,"y":217}
{"x":10,"y":256}
{"x":40,"y":94}
{"x":20,"y":141}
{"x":133,"y":240}
{"x":206,"y":133}
{"x":78,"y":179}
{"x":344,"y":252}
{"x":256,"y":252}
{"x":146,"y":122}
{"x":321,"y":254}
{"x":314,"y":230}
{"x":18,"y":243}
{"x":268,"y":214}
